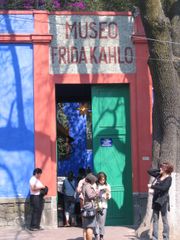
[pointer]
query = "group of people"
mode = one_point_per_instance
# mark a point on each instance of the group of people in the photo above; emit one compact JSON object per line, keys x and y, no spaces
{"x":70,"y":197}
{"x":93,"y":192}
{"x":90,"y":192}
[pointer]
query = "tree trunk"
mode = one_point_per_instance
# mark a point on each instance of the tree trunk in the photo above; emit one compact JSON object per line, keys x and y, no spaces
{"x":162,"y":28}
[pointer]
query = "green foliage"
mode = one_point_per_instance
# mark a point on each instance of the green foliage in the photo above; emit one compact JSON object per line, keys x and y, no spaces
{"x":107,"y":5}
{"x":48,"y":5}
{"x":11,"y":4}
{"x":61,"y":117}
{"x":62,"y":144}
{"x":90,"y":5}
{"x":62,"y":148}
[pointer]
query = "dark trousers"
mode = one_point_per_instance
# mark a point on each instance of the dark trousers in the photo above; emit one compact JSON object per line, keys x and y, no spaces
{"x":37,"y":205}
{"x":164,"y":212}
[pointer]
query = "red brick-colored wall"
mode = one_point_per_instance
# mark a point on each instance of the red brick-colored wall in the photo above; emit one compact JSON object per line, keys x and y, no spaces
{"x":44,"y":98}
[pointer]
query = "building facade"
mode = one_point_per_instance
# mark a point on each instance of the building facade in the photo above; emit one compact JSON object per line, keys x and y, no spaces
{"x":91,"y":69}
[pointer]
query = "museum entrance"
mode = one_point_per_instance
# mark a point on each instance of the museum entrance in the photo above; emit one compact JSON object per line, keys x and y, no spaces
{"x":74,"y":138}
{"x":93,"y":133}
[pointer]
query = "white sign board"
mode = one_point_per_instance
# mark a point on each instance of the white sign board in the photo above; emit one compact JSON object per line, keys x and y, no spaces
{"x":86,"y":44}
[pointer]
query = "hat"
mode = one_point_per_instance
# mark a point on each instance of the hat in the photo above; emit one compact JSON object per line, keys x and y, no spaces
{"x":91,"y":178}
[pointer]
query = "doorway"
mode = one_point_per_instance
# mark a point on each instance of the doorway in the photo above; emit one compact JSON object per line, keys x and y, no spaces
{"x":112,"y":148}
{"x":93,"y":131}
{"x":74,"y":128}
{"x":74,"y":139}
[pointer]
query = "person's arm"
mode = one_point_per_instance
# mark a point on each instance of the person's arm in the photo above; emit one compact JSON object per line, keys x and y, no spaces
{"x":36,"y":185}
{"x":108,"y":192}
{"x":79,"y":186}
{"x":154,"y":172}
{"x":90,"y":192}
{"x":33,"y":187}
{"x":163,"y":185}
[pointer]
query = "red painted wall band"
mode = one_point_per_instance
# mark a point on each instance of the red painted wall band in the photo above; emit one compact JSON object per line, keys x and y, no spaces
{"x":44,"y":98}
{"x":25,"y":38}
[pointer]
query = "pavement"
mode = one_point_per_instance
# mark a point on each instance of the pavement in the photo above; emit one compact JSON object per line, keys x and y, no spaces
{"x":64,"y":233}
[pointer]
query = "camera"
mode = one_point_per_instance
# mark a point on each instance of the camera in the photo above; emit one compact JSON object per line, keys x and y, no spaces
{"x":102,"y":191}
{"x":100,"y":212}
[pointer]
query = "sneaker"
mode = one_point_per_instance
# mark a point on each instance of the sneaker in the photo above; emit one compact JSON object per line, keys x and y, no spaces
{"x":33,"y":229}
{"x":96,"y":237}
{"x":40,"y":228}
{"x":67,"y":225}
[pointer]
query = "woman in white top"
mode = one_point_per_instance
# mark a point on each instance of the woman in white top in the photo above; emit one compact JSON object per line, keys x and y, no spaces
{"x":104,"y":195}
{"x":36,"y":200}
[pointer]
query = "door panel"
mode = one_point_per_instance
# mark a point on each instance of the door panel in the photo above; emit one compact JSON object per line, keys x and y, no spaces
{"x":111,"y":148}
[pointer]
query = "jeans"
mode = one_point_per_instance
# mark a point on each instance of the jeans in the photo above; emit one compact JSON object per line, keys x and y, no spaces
{"x":165,"y":223}
{"x":69,"y":207}
{"x":100,"y":222}
{"x":37,"y":205}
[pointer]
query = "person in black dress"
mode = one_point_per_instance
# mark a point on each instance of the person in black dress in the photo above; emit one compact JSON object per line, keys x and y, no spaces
{"x":160,"y":203}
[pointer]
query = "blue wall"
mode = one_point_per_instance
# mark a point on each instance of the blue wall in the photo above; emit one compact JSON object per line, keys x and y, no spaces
{"x":16,"y":119}
{"x":80,"y":156}
{"x":16,"y":109}
{"x":16,"y":23}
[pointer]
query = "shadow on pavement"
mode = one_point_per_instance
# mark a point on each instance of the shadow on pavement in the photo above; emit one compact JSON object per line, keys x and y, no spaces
{"x":79,"y":238}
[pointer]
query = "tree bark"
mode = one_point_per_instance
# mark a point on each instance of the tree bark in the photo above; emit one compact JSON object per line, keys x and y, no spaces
{"x":161,"y":22}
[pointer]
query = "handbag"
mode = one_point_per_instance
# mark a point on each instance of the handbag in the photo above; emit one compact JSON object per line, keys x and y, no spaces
{"x":44,"y":191}
{"x":88,"y":212}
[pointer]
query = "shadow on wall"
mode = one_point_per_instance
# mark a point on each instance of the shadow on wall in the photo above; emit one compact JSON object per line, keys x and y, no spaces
{"x":17,"y":122}
{"x":118,"y":156}
{"x":17,"y":117}
{"x":79,"y":156}
{"x":16,"y":127}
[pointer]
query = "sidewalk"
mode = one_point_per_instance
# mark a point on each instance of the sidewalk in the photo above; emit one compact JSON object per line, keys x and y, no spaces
{"x":71,"y":233}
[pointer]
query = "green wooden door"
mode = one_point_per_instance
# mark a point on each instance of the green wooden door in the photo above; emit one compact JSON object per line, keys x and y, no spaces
{"x":112,"y":149}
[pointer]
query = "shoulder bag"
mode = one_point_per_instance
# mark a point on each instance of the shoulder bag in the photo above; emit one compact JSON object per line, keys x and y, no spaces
{"x":88,"y":212}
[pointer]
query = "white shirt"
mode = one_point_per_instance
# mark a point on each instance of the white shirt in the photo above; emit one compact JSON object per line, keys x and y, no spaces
{"x":102,"y":198}
{"x":34,"y":182}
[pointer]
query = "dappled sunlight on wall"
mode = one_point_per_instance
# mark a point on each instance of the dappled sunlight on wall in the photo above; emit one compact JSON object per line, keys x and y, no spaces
{"x":16,"y":119}
{"x":79,"y":155}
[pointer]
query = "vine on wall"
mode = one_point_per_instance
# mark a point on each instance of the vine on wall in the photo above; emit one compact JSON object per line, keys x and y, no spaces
{"x":72,"y":5}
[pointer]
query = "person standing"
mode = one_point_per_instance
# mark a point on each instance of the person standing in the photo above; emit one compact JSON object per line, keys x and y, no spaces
{"x":80,"y":186}
{"x":79,"y":199}
{"x":36,"y":200}
{"x":104,"y":195}
{"x":89,"y":195}
{"x":160,"y":203}
{"x":69,"y":188}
